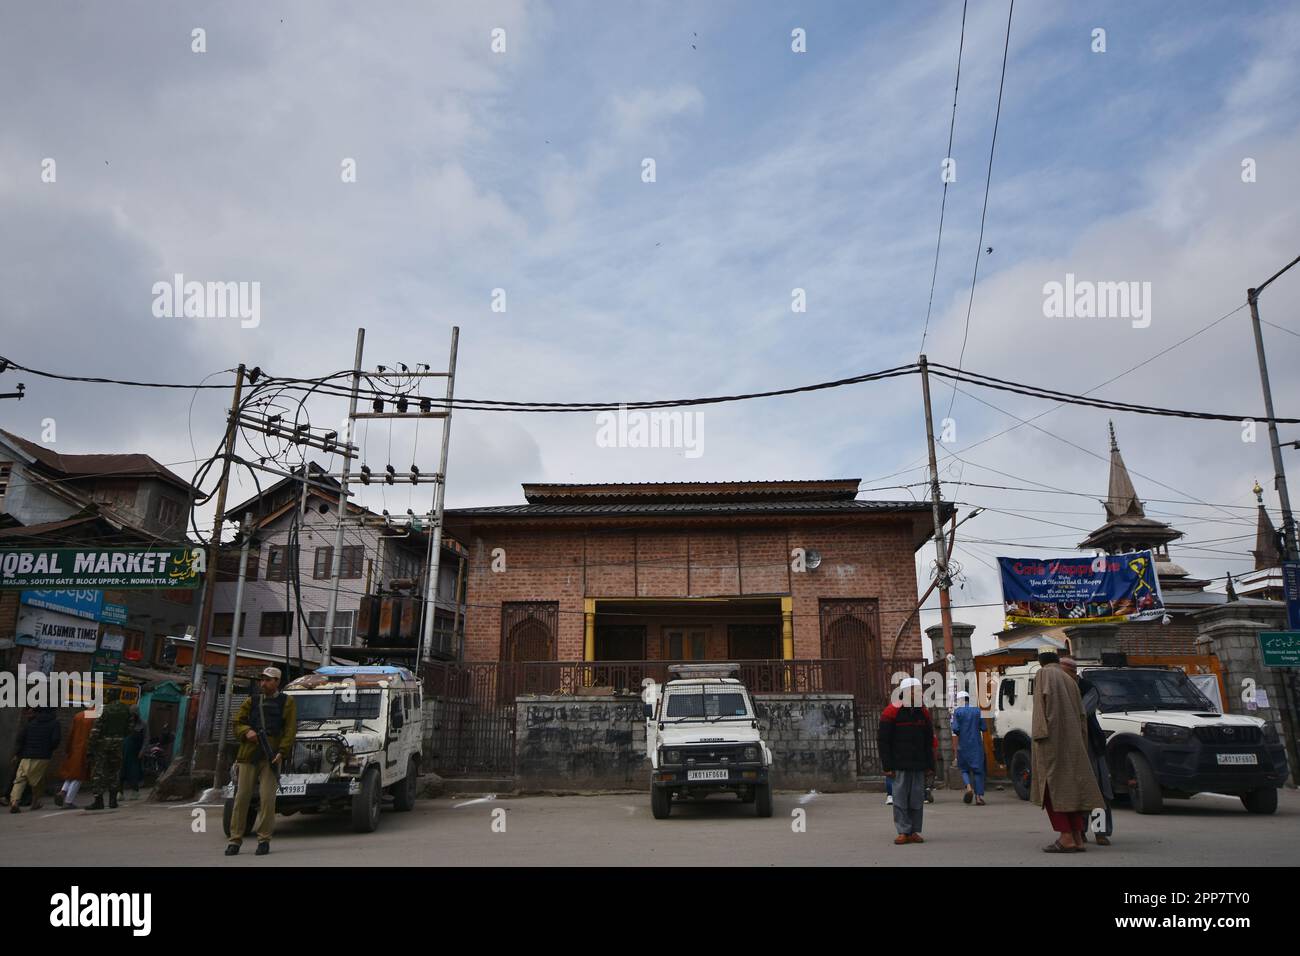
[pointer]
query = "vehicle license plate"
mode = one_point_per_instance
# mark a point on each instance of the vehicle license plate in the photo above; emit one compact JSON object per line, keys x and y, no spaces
{"x":1238,"y":758}
{"x":292,"y":790}
{"x":706,"y":775}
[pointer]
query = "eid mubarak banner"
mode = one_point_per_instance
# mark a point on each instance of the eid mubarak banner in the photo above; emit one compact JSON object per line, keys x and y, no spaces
{"x":1101,"y":590}
{"x":115,"y":568}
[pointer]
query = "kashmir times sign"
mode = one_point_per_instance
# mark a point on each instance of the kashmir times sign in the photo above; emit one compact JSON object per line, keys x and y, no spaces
{"x":167,"y":568}
{"x":1105,"y":589}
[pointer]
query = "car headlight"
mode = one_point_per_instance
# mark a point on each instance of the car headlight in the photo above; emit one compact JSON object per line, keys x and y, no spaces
{"x":1166,"y":733}
{"x":751,"y":753}
{"x":672,"y":756}
{"x":333,"y":754}
{"x":1270,"y":733}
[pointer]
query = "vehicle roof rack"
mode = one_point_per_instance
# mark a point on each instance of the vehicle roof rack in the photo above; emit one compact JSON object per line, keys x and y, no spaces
{"x":688,"y":671}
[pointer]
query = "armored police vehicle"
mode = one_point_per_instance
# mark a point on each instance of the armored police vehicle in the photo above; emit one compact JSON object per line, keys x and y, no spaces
{"x":702,"y":737}
{"x":358,"y":743}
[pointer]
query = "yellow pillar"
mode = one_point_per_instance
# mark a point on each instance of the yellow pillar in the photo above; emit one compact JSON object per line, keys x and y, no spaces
{"x":589,"y":641}
{"x":787,"y":628}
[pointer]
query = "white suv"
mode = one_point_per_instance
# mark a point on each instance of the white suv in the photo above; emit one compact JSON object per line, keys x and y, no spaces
{"x":1163,"y":738}
{"x":702,"y":737}
{"x":358,"y":739}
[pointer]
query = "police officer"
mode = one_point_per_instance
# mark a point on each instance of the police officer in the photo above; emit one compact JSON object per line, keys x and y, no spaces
{"x":274,"y":714}
{"x":106,"y":749}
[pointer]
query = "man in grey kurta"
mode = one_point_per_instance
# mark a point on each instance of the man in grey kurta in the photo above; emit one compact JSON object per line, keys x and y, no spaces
{"x":1062,"y":778}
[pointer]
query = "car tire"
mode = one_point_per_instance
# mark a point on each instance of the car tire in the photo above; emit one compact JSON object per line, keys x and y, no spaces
{"x":1143,"y":788}
{"x":404,"y":792}
{"x":1260,"y":801}
{"x":661,"y":802}
{"x":228,"y":814}
{"x":365,"y":805}
{"x":1021,"y":773}
{"x":763,"y":799}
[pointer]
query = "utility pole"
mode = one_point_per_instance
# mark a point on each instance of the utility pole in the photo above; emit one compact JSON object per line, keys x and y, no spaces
{"x":431,"y":586}
{"x":1279,"y":471}
{"x":337,"y":568}
{"x":210,"y":581}
{"x":940,"y":545}
{"x":1279,"y":477}
{"x":246,"y":528}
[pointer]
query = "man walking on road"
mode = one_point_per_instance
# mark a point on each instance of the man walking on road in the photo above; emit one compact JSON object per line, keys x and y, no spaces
{"x":106,"y":750}
{"x":968,"y":742}
{"x":1062,"y":781}
{"x":1091,"y":698}
{"x":907,"y":753}
{"x":37,"y":742}
{"x":266,"y":724}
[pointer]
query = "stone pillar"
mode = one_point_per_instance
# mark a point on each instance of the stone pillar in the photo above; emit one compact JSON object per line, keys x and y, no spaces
{"x":1089,"y":641}
{"x":1230,"y":631}
{"x":963,"y":662}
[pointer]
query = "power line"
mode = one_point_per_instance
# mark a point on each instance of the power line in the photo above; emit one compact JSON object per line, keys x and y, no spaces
{"x":988,"y":179}
{"x":943,"y":205}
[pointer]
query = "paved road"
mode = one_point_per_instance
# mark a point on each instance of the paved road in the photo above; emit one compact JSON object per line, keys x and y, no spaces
{"x":617,"y":829}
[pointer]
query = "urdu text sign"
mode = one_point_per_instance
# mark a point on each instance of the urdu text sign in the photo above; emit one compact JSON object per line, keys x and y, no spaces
{"x":1280,"y":648}
{"x":166,"y":568}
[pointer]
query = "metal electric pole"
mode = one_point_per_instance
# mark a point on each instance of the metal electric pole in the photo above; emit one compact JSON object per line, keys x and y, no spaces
{"x":210,"y":581}
{"x":1279,"y":471}
{"x":337,"y":569}
{"x":940,"y":545}
{"x":430,"y":607}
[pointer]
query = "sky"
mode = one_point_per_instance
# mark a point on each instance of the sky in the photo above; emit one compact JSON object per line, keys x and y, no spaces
{"x":500,"y":154}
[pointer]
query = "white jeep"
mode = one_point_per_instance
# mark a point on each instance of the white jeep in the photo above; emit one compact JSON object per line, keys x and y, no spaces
{"x":702,"y":737}
{"x":358,"y":738}
{"x":1164,"y":738}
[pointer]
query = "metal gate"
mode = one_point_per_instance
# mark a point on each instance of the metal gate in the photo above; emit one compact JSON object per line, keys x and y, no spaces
{"x":469,"y":712}
{"x":850,"y":631}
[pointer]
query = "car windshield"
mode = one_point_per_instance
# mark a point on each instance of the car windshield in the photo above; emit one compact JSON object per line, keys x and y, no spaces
{"x":701,"y":703}
{"x":1146,"y":690}
{"x":338,"y":705}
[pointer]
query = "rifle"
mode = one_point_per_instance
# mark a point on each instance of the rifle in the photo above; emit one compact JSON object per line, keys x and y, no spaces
{"x":265,"y":742}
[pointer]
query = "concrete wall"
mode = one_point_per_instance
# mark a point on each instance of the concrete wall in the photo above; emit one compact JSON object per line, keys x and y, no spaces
{"x":812,"y":740}
{"x":581,"y":743}
{"x":598,"y":743}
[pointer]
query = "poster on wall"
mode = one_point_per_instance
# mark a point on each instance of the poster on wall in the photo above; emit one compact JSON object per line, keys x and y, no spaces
{"x":1107,"y":589}
{"x":55,"y":631}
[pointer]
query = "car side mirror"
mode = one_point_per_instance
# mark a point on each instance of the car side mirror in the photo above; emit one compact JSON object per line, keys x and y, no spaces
{"x":396,"y":720}
{"x":648,"y":710}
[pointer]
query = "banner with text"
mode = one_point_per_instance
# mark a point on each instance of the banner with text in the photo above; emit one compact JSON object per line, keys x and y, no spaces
{"x":37,"y":568}
{"x":1101,"y":590}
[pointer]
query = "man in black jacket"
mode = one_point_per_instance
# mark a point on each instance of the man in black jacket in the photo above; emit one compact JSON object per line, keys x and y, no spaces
{"x":37,"y":741}
{"x":908,"y":745}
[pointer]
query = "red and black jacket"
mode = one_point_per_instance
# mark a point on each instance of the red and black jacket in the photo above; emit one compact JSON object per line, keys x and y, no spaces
{"x":907,"y":739}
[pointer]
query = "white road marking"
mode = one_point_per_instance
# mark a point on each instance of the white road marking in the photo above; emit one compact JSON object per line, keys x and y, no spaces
{"x":469,"y":803}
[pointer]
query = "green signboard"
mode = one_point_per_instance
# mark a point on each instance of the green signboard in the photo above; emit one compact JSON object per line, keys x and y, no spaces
{"x":165,"y":568}
{"x":1281,"y":648}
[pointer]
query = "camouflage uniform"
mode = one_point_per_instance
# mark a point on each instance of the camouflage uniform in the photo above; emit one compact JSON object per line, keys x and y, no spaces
{"x":106,"y":749}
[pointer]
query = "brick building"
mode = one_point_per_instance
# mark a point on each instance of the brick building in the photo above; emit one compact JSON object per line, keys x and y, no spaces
{"x":745,"y":570}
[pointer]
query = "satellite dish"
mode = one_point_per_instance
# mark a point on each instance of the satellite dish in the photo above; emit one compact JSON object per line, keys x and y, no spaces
{"x":812,"y":559}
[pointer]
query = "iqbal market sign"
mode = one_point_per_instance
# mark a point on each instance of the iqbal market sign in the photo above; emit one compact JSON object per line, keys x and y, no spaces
{"x":165,"y":568}
{"x":1107,"y":589}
